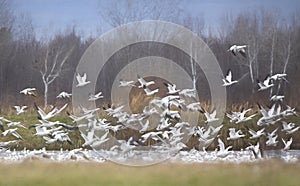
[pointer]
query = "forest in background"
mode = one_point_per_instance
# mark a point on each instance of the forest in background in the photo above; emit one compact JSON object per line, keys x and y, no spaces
{"x":273,"y":46}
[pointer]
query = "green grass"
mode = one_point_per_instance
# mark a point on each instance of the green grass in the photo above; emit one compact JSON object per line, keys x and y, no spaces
{"x":78,"y":173}
{"x":35,"y":142}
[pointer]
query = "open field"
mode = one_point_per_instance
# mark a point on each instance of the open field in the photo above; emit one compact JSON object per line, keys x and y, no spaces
{"x":31,"y":142}
{"x":36,"y":172}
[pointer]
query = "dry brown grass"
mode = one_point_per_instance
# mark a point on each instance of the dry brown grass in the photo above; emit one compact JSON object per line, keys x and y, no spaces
{"x":78,"y":173}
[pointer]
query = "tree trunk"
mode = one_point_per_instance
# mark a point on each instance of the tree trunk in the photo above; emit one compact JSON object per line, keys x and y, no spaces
{"x":272,"y":59}
{"x":46,"y":84}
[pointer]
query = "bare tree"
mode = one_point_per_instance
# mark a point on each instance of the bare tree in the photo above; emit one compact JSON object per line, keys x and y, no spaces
{"x":117,"y":13}
{"x":285,"y":50}
{"x":54,"y":58}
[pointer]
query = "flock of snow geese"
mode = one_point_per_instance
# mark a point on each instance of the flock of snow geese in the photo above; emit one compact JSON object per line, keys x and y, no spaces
{"x":171,"y":128}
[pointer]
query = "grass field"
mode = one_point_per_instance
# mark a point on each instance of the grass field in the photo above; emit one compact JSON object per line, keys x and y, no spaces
{"x":36,"y":172}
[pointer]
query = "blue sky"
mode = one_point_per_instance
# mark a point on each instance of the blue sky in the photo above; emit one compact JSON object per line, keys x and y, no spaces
{"x":50,"y":16}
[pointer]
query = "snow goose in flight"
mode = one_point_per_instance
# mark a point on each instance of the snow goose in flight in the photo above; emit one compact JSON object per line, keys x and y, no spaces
{"x":287,"y":126}
{"x":55,"y":111}
{"x":265,"y":84}
{"x":171,"y":88}
{"x":95,"y":141}
{"x":152,"y":135}
{"x":12,"y":132}
{"x":233,"y":135}
{"x":20,"y":109}
{"x":222,"y":151}
{"x":81,"y":80}
{"x":150,"y":92}
{"x":277,"y":98}
{"x":29,"y":91}
{"x":256,"y":134}
{"x":15,"y":124}
{"x":257,"y":152}
{"x":79,"y":118}
{"x":238,"y":49}
{"x":143,"y":83}
{"x":126,"y":83}
{"x":271,"y":140}
{"x":210,"y":117}
{"x":145,"y":126}
{"x":93,"y":97}
{"x":276,"y":77}
{"x":228,"y":79}
{"x":194,"y":106}
{"x":4,"y":119}
{"x":293,"y":130}
{"x":64,"y":95}
{"x":287,"y":144}
{"x":43,"y":131}
{"x":289,"y":111}
{"x":191,"y":93}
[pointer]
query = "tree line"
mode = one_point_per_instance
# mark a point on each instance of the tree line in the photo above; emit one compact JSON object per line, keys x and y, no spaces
{"x":49,"y":64}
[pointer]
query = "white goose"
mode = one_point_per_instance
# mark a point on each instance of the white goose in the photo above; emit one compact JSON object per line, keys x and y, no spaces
{"x":287,"y":144}
{"x":171,"y":88}
{"x":210,"y":117}
{"x":64,"y":95}
{"x":287,"y":126}
{"x":233,"y":135}
{"x":126,"y":83}
{"x":150,"y":92}
{"x":235,"y":49}
{"x":191,"y":93}
{"x":271,"y":140}
{"x":222,"y":151}
{"x":257,"y":134}
{"x":143,"y":83}
{"x":277,"y":98}
{"x":12,"y":132}
{"x":82,"y":80}
{"x":20,"y":109}
{"x":29,"y":91}
{"x":94,"y":97}
{"x":279,"y":76}
{"x":228,"y":79}
{"x":265,"y":84}
{"x":54,"y":112}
